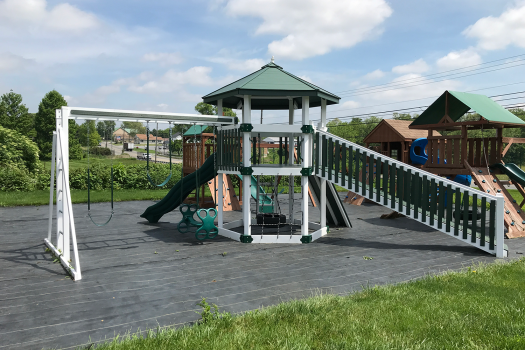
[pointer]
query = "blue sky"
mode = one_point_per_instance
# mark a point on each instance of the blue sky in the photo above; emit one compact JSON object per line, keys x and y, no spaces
{"x":164,"y":55}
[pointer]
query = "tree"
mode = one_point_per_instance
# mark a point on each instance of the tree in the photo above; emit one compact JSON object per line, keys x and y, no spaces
{"x":45,"y":122}
{"x":405,"y":116}
{"x":14,"y":114}
{"x":134,"y":127}
{"x":88,"y":135}
{"x":207,"y":109}
{"x":105,"y":129}
{"x":176,"y":146}
{"x":355,"y":130}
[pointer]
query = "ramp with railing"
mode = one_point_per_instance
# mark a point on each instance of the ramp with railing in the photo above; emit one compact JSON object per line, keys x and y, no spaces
{"x":467,"y":214}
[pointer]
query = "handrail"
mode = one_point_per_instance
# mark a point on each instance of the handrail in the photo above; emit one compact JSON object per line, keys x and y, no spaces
{"x":407,"y":166}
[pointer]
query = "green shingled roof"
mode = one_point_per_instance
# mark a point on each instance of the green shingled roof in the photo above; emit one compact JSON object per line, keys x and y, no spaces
{"x":460,"y":103}
{"x":275,"y":83}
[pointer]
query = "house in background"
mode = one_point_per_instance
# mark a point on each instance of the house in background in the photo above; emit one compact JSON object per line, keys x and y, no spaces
{"x":122,"y":134}
{"x":143,"y":138}
{"x":175,"y":137}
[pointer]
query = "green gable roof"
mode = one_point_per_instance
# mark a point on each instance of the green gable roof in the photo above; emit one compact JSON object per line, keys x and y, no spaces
{"x":195,"y":130}
{"x":460,"y":103}
{"x":275,"y":83}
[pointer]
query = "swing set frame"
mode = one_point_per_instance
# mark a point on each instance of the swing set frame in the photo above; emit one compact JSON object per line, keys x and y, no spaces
{"x":63,"y":244}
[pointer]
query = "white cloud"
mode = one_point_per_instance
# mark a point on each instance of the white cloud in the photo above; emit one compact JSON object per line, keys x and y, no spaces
{"x":416,"y":67}
{"x":312,"y":27}
{"x":459,"y":59}
{"x":164,"y":58}
{"x":10,"y":62}
{"x":496,"y":33}
{"x":377,"y":74}
{"x":99,"y":95}
{"x":64,"y":33}
{"x":162,"y":106}
{"x":173,"y":80}
{"x":226,"y":57}
{"x":35,"y":16}
{"x":420,"y":88}
{"x":350,"y":105}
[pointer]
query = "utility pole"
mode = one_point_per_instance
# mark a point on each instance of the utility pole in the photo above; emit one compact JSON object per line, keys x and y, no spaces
{"x":261,"y":115}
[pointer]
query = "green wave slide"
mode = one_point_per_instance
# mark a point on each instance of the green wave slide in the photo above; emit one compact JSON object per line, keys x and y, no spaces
{"x":513,"y":171}
{"x":174,"y":197}
{"x":265,"y":202}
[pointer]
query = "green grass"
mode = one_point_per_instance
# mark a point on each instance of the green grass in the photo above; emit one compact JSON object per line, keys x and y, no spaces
{"x":10,"y":199}
{"x":479,"y":308}
{"x":76,"y":164}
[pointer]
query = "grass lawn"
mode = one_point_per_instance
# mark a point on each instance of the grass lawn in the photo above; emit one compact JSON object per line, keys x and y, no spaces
{"x":76,"y":164}
{"x":480,"y":308}
{"x":10,"y":199}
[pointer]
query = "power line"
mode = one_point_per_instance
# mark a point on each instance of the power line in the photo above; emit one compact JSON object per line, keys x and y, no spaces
{"x":440,"y":73}
{"x":419,"y":99}
{"x":433,"y":81}
{"x":375,"y":114}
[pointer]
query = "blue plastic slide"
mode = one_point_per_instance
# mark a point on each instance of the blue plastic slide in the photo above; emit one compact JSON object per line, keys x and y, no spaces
{"x":422,"y":157}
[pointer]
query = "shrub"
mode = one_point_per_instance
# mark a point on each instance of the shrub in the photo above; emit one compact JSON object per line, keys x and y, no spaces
{"x":99,"y":151}
{"x":18,"y":151}
{"x":16,"y":179}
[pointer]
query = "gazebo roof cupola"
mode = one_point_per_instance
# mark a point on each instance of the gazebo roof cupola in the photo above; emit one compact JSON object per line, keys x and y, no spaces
{"x":270,"y":88}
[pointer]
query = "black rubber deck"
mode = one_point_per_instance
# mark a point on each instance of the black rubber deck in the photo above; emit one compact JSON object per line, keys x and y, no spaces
{"x":140,"y":275}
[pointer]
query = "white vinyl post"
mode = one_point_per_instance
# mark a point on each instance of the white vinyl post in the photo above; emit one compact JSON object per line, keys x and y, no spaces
{"x":219,"y":195}
{"x":219,"y":107}
{"x":52,"y":186}
{"x":500,"y":224}
{"x":322,"y":205}
{"x":64,"y":140}
{"x":60,"y":207}
{"x":290,"y":160}
{"x":220,"y":200}
{"x":306,"y":163}
{"x":246,"y":179}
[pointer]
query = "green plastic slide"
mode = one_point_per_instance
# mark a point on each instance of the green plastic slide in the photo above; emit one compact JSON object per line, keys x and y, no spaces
{"x":513,"y":171}
{"x":265,"y":202}
{"x":174,"y":197}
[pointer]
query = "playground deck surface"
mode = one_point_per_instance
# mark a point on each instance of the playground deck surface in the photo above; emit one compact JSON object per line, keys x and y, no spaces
{"x":138,"y":275}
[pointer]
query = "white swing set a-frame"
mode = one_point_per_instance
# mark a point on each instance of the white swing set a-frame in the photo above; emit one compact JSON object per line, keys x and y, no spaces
{"x":64,"y":243}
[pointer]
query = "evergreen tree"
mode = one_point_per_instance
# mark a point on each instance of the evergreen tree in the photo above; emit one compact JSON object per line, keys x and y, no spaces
{"x":14,"y":114}
{"x":45,"y":122}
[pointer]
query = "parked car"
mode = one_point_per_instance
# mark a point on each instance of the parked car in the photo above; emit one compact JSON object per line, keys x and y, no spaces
{"x":143,"y":156}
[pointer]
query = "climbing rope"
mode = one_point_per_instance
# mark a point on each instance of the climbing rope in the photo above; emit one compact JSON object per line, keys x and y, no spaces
{"x":147,"y":156}
{"x":89,"y":184}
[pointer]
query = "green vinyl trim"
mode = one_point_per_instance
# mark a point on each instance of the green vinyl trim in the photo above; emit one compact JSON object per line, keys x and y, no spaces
{"x":474,"y":215}
{"x":483,"y":220}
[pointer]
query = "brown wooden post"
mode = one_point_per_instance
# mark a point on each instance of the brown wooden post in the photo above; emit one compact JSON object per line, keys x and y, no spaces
{"x":464,"y":155}
{"x":499,"y":144}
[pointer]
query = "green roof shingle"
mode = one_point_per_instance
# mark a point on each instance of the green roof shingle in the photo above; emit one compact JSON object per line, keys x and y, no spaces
{"x":276,"y":84}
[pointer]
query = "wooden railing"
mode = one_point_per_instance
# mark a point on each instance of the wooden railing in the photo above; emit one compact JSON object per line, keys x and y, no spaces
{"x":451,"y":152}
